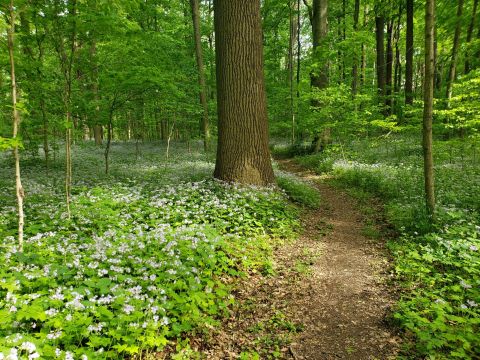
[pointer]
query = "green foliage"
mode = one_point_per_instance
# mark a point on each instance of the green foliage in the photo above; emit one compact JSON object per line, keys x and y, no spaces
{"x":463,"y":114}
{"x":10,"y":143}
{"x":441,"y":277}
{"x":298,"y":190}
{"x":146,"y":257}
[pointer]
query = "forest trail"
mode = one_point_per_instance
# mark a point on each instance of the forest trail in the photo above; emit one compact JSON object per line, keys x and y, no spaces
{"x":328,"y":297}
{"x":346,"y":300}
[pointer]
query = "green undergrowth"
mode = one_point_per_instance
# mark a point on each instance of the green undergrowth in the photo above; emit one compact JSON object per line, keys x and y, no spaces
{"x":148,"y":257}
{"x":438,"y":266}
{"x":299,"y":190}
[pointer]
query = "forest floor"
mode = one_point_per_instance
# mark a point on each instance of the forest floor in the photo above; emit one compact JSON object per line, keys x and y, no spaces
{"x":329,"y":296}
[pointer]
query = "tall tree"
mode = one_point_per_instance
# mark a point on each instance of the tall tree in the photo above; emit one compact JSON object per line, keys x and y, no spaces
{"x":319,"y":78}
{"x":16,"y":126}
{"x":454,"y":56}
{"x":318,"y":15}
{"x":205,"y":128}
{"x":470,"y":34}
{"x":409,"y":55}
{"x":356,"y":15}
{"x":389,"y":69}
{"x":293,"y":27}
{"x":428,"y":88}
{"x":242,"y":153}
{"x":379,"y":38}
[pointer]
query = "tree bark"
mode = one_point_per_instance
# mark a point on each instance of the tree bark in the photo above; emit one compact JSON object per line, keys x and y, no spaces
{"x":379,"y":38}
{"x":16,"y":125}
{"x":242,"y":154}
{"x":409,"y":55}
{"x":319,"y":77}
{"x":428,"y":88}
{"x":456,"y":45}
{"x":204,"y":126}
{"x":470,"y":34}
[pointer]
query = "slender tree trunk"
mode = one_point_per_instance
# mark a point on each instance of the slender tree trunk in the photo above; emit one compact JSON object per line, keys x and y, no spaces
{"x":438,"y":65}
{"x":299,"y":48}
{"x":477,"y":54}
{"x":344,"y":36}
{"x":109,"y":135}
{"x":456,"y":45}
{"x":428,"y":106}
{"x":389,"y":69}
{"x":469,"y":35}
{"x":363,"y":65}
{"x":66,"y":61}
{"x":97,"y":128}
{"x":398,"y":64}
{"x":379,"y":37}
{"x":201,"y":73}
{"x":46,"y":149}
{"x":356,"y":16}
{"x":16,"y":127}
{"x":242,"y":153}
{"x":291,"y":65}
{"x":409,"y":55}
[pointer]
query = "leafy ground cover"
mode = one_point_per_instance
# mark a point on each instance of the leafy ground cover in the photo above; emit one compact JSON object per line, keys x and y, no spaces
{"x":149,"y":254}
{"x":439,"y":266}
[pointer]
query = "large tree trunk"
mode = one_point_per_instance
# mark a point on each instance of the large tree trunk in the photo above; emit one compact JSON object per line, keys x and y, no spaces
{"x":428,"y":106}
{"x":319,"y":77}
{"x":242,"y":154}
{"x":469,"y":35}
{"x":379,"y":37}
{"x":204,"y":126}
{"x":456,"y":45}
{"x":409,"y":55}
{"x":16,"y":126}
{"x":356,"y":16}
{"x":98,"y":134}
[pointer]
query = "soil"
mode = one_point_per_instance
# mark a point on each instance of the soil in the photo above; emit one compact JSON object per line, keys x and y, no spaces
{"x":330,"y":295}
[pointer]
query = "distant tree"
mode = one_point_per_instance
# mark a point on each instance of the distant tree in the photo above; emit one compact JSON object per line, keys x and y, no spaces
{"x":455,"y":48}
{"x":470,"y":34}
{"x":242,"y":153}
{"x":356,"y":15}
{"x":204,"y":125}
{"x":409,"y":55}
{"x":380,"y":38}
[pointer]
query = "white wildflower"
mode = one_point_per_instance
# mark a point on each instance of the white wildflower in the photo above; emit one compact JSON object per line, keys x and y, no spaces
{"x":28,"y":346}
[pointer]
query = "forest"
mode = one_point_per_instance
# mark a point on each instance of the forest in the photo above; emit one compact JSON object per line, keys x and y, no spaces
{"x":239,"y":179}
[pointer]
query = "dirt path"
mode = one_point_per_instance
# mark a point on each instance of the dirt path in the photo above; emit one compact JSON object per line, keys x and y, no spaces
{"x":328,"y":298}
{"x":344,"y":311}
